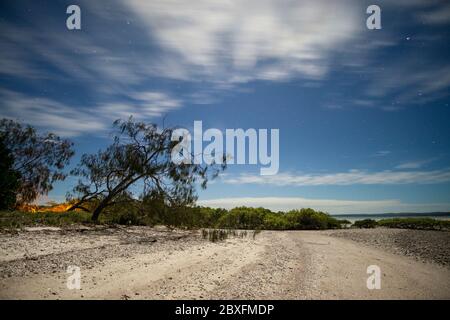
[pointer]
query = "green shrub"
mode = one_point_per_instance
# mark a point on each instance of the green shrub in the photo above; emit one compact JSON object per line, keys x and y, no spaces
{"x":275,"y":221}
{"x":244,"y":218}
{"x":415,"y":223}
{"x":17,"y":219}
{"x":309,"y":219}
{"x":127,"y":217}
{"x":344,"y":221}
{"x":366,"y":223}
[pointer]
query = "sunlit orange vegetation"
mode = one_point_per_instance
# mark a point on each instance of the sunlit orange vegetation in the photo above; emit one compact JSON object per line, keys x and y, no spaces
{"x":62,"y":207}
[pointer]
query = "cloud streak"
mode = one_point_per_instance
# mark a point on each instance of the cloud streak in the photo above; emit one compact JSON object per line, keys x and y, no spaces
{"x":70,"y":121}
{"x":352,"y":177}
{"x":414,"y":164}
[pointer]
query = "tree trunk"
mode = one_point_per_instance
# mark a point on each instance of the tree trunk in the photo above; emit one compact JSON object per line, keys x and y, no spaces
{"x":98,"y":210}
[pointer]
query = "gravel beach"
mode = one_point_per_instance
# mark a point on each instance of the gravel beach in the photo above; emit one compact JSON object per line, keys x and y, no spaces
{"x":424,"y":245}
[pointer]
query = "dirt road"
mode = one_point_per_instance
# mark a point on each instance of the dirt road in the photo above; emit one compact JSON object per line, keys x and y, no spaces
{"x":143,"y":263}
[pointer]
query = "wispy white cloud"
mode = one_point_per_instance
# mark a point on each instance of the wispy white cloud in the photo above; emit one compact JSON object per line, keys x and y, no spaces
{"x":235,"y":41}
{"x":220,"y":44}
{"x":333,"y":206}
{"x":400,"y":85}
{"x":70,"y":120}
{"x":352,"y":177}
{"x":405,"y":86}
{"x":97,"y":64}
{"x":143,"y":105}
{"x":414,"y":164}
{"x":49,"y":114}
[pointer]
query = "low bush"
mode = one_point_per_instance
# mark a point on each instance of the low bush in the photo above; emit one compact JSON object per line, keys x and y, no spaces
{"x":366,"y":223}
{"x":309,"y":219}
{"x":415,"y":223}
{"x":18,"y":219}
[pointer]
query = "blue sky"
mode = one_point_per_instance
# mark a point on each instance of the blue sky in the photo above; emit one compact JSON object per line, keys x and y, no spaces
{"x":363,"y":114}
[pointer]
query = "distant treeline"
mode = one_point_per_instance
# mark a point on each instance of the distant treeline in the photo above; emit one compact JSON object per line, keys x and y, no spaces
{"x":237,"y":218}
{"x":156,"y":213}
{"x":244,"y":218}
{"x":191,"y":217}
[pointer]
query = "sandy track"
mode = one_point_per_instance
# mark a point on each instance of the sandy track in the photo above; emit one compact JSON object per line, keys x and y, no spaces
{"x":341,"y":267}
{"x":130,"y":264}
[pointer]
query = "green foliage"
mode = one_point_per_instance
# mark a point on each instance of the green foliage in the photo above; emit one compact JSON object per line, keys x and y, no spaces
{"x":17,"y":219}
{"x":276,"y":221}
{"x":237,"y":218}
{"x":9,"y":178}
{"x":39,"y":159}
{"x":415,"y":223}
{"x":155,"y":212}
{"x":344,"y":222}
{"x":264,"y":219}
{"x":135,"y":212}
{"x":129,"y":216}
{"x":311,"y":220}
{"x":366,"y":223}
{"x":243,"y":218}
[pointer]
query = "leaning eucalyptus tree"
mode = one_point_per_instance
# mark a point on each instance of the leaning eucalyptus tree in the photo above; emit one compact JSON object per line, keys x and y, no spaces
{"x":137,"y":162}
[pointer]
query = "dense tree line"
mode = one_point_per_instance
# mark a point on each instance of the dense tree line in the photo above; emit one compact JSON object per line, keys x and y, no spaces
{"x":152,"y":213}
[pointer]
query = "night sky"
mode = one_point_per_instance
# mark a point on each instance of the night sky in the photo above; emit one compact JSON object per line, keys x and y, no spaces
{"x":363,"y":114}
